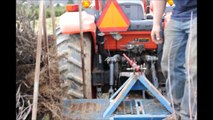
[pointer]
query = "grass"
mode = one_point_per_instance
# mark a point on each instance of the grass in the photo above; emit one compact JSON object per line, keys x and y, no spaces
{"x":58,"y":12}
{"x":48,"y":25}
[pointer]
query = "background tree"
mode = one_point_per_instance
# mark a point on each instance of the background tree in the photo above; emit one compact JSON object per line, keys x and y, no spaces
{"x":70,"y":2}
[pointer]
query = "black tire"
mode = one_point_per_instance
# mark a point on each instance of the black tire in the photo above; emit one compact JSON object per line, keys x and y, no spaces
{"x":70,"y":65}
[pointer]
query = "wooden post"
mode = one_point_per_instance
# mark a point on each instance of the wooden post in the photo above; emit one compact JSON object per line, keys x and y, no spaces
{"x":82,"y":48}
{"x":53,"y":18}
{"x":46,"y":45}
{"x":38,"y":59}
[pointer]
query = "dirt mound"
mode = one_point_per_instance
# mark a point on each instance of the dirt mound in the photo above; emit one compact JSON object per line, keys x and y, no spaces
{"x":50,"y":94}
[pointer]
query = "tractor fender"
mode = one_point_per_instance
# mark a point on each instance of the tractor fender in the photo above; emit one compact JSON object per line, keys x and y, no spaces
{"x":69,"y":24}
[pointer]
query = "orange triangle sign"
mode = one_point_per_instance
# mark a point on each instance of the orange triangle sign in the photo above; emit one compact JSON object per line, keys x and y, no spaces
{"x":113,"y":18}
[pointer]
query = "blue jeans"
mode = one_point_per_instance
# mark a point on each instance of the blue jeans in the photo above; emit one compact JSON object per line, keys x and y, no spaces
{"x":173,"y":63}
{"x":190,"y":91}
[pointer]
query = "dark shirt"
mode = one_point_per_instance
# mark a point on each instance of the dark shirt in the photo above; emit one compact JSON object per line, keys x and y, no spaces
{"x":183,"y":9}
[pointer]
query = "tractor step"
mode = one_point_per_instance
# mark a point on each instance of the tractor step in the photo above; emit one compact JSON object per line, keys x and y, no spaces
{"x":93,"y":109}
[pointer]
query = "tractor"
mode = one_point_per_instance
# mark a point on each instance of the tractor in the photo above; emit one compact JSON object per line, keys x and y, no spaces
{"x":117,"y":45}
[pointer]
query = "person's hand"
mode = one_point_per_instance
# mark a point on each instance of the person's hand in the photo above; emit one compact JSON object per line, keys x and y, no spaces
{"x":155,"y":34}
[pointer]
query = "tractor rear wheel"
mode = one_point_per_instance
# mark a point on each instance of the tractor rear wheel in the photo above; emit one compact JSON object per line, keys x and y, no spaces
{"x":70,"y":65}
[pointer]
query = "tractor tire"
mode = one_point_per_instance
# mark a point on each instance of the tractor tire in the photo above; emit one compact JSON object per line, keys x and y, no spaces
{"x":70,"y":65}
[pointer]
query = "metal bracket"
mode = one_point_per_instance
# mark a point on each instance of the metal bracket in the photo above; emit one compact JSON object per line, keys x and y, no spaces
{"x":127,"y":86}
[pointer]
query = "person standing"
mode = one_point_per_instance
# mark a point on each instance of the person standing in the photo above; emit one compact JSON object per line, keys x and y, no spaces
{"x":179,"y":59}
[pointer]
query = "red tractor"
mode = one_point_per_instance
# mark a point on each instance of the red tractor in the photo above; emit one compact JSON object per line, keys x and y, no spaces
{"x":110,"y":28}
